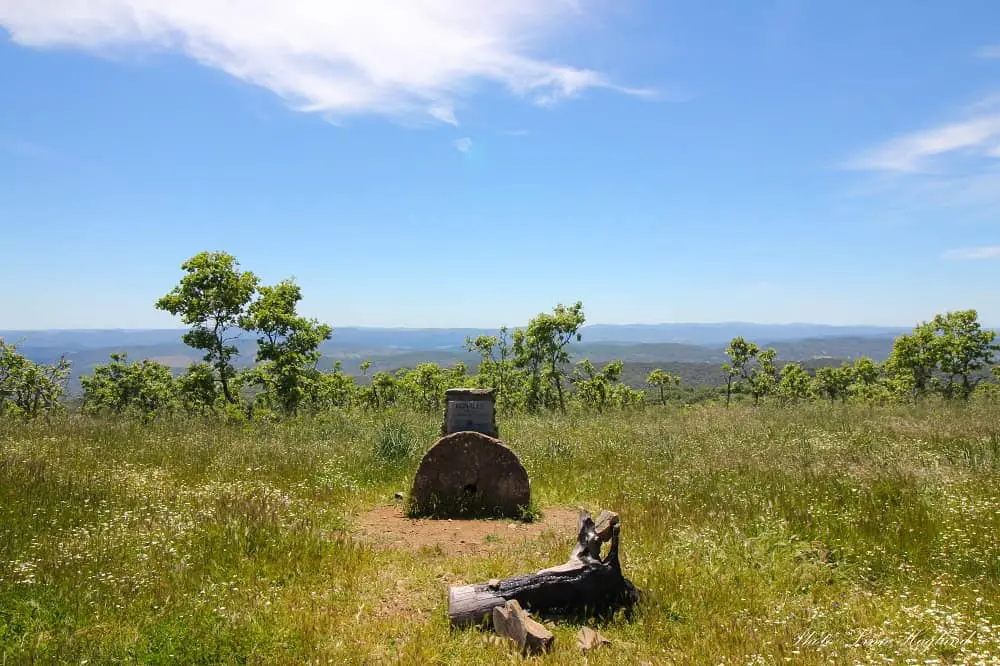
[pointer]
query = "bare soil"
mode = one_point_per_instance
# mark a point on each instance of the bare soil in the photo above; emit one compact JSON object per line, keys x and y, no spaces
{"x":389,"y":527}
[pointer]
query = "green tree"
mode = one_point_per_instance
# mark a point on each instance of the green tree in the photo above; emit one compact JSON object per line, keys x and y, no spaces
{"x":212,"y":297}
{"x":964,"y":348}
{"x":912,"y":362}
{"x":197,"y":389}
{"x":866,"y":384}
{"x":337,"y":389}
{"x":30,"y":389}
{"x":382,"y":391}
{"x":741,"y":354}
{"x":833,"y":383}
{"x":795,"y":385}
{"x":287,"y":348}
{"x":426,"y":385}
{"x":541,"y":351}
{"x":626,"y":397}
{"x":141,"y":388}
{"x":596,"y":388}
{"x":763,"y":377}
{"x":662,"y":379}
{"x":496,"y":366}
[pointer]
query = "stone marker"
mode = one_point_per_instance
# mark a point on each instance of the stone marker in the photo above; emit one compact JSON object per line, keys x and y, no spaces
{"x":469,"y":474}
{"x":468,"y":409}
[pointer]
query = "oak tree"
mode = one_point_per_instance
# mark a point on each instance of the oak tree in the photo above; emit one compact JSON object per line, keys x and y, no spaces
{"x":211,"y":298}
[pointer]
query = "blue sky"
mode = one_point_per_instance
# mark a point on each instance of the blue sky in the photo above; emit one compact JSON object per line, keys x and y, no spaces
{"x":472,"y":163}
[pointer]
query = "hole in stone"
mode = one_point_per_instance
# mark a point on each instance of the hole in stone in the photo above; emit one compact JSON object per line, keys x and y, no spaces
{"x":470,"y":489}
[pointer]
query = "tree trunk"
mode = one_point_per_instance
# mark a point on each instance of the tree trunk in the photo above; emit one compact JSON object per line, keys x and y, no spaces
{"x":559,"y":389}
{"x":585,"y":585}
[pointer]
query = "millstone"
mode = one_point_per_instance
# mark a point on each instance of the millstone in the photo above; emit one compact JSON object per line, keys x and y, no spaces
{"x":468,"y":474}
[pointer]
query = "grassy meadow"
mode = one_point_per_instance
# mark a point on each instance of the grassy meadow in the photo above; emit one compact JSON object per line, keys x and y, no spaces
{"x":810,"y":535}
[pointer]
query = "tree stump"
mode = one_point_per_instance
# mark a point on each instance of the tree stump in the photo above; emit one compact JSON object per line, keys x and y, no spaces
{"x":585,"y":585}
{"x":469,"y":474}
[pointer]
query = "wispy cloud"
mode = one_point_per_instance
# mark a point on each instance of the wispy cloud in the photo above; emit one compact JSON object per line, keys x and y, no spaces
{"x":445,"y":113}
{"x":910,"y":153}
{"x":516,"y":132}
{"x":409,"y":60}
{"x":953,"y":165}
{"x":463,"y":145}
{"x":989,"y":52}
{"x":973,"y":253}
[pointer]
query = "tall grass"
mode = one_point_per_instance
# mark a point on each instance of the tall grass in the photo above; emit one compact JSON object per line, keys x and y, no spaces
{"x":808,"y":535}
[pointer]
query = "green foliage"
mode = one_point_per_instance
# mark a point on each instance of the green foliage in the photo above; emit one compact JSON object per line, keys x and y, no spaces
{"x":287,"y":349}
{"x":963,"y":348}
{"x":381,"y":392}
{"x":796,"y":385}
{"x":212,"y":298}
{"x":197,"y":390}
{"x":540,"y":351}
{"x":741,"y":354}
{"x":336,"y":389}
{"x":835,"y":383}
{"x":867,"y":383}
{"x":527,"y":368}
{"x":912,"y":362}
{"x":497,"y":370}
{"x":394,"y":442}
{"x":144,"y":388}
{"x":750,"y":368}
{"x":29,"y":389}
{"x":986,"y":392}
{"x":952,"y":347}
{"x":762,"y":378}
{"x":593,"y":388}
{"x":661,"y":379}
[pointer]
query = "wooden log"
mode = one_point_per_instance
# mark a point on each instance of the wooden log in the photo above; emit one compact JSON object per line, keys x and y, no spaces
{"x":584,"y":585}
{"x":511,"y":621}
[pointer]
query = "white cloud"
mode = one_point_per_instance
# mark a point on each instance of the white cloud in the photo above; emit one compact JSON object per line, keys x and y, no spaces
{"x":463,"y":145}
{"x":989,"y":52}
{"x":968,"y":254}
{"x":914,"y":152}
{"x":954,"y":165}
{"x":406,"y":59}
{"x":445,"y":113}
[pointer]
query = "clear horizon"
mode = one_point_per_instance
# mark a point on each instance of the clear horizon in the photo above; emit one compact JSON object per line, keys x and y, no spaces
{"x":477,"y":328}
{"x":431,"y":164}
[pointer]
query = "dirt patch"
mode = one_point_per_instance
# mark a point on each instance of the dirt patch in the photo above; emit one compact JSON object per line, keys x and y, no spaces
{"x":389,"y":527}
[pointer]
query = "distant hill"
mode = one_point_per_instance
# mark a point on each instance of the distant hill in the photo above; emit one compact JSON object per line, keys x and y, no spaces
{"x":353,"y":337}
{"x":693,"y":351}
{"x":722,"y":333}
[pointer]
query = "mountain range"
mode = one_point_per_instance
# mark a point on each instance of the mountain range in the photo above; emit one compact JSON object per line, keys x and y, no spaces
{"x":686,"y":349}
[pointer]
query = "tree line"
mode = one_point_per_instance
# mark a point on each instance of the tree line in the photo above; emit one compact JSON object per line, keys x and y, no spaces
{"x":948,"y":356}
{"x":528,"y":368}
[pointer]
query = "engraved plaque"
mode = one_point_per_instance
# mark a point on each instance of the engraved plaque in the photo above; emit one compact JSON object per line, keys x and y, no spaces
{"x":470,"y":410}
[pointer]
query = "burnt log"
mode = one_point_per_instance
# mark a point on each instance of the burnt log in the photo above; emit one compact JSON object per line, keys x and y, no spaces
{"x":586,"y":585}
